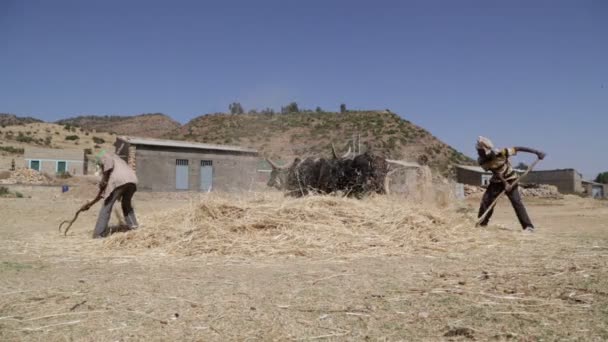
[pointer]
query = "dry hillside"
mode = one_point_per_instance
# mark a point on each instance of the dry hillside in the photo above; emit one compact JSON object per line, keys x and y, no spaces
{"x":14,"y":139}
{"x":146,"y":125}
{"x":311,"y":134}
{"x":281,"y":136}
{"x":11,"y":120}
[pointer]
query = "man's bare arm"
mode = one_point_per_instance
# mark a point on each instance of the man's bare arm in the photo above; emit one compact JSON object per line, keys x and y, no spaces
{"x":102,"y":187}
{"x":541,"y":155}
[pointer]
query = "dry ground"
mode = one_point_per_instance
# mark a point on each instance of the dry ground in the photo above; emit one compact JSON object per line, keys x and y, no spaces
{"x":472,"y":284}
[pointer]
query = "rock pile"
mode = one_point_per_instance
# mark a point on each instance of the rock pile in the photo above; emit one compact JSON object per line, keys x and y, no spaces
{"x":541,"y":191}
{"x":470,"y":190}
{"x":526,"y":190}
{"x":26,"y":176}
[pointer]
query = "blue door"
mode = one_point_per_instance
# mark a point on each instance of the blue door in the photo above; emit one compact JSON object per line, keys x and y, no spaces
{"x":206,"y":175}
{"x":181,"y":174}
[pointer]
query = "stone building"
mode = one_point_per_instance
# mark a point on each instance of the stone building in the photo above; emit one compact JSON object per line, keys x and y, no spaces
{"x":168,"y":165}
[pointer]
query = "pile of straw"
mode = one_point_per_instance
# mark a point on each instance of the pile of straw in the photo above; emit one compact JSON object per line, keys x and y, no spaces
{"x":270,"y":224}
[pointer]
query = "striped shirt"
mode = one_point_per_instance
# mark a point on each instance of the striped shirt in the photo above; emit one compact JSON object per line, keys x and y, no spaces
{"x":499,"y":164}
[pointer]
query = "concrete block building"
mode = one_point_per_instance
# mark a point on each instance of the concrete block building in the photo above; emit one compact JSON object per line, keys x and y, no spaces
{"x":567,"y":181}
{"x":472,"y":175}
{"x":595,"y":190}
{"x":54,"y":161}
{"x":168,"y":165}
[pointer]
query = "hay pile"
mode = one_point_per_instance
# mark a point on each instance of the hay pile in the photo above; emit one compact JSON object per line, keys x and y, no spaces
{"x":27,"y":176}
{"x":270,"y":224}
{"x":419,"y":185}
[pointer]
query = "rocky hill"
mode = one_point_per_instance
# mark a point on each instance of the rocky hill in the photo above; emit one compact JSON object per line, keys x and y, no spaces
{"x":146,"y":125}
{"x":281,"y":136}
{"x":12,"y":120}
{"x":311,"y":134}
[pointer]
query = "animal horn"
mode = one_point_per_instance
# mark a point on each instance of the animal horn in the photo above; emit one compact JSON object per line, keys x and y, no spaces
{"x":347,"y":154}
{"x":333,"y":151}
{"x":276,"y":166}
{"x":273,"y":164}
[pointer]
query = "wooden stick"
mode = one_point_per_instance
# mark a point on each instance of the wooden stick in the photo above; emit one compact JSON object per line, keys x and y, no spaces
{"x":503,"y":192}
{"x":70,"y":223}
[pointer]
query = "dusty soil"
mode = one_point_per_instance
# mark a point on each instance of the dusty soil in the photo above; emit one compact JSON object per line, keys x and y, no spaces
{"x":494,"y":283}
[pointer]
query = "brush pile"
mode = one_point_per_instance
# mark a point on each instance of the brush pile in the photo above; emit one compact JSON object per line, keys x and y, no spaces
{"x":359,"y":176}
{"x":270,"y":224}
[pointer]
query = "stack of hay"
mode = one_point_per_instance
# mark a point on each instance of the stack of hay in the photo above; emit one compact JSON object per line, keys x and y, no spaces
{"x":271,"y":224}
{"x":26,"y":176}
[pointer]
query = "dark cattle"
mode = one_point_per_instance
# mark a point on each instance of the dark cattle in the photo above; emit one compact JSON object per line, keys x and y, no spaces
{"x":361,"y":175}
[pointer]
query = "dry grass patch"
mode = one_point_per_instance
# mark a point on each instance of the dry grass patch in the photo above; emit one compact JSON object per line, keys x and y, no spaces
{"x":270,"y":224}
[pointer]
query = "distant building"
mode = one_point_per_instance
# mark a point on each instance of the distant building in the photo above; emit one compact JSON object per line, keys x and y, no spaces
{"x":567,"y":181}
{"x":595,"y":190}
{"x":168,"y":165}
{"x":472,"y":175}
{"x":54,"y":161}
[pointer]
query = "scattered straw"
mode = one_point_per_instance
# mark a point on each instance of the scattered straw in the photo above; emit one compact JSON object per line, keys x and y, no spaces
{"x":270,"y":224}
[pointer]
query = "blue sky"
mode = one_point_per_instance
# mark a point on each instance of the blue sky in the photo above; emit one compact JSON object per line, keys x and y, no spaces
{"x":521,"y":72}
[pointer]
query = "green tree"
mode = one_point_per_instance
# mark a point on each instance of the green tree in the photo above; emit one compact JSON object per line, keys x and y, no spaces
{"x":343,"y":108}
{"x":236,"y":108}
{"x":521,"y":166}
{"x":602,"y":178}
{"x":318,"y":109}
{"x":290,"y":108}
{"x":268,"y":111}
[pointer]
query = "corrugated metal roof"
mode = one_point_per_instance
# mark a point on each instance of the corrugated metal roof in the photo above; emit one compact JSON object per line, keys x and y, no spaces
{"x":472,"y":168}
{"x":592,"y":183}
{"x":184,"y":144}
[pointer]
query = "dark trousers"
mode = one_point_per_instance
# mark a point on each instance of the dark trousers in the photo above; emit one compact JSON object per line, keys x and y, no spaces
{"x":123,"y":193}
{"x":494,"y":189}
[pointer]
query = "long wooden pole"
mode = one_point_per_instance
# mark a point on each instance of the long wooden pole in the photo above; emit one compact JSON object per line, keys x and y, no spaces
{"x":503,"y":192}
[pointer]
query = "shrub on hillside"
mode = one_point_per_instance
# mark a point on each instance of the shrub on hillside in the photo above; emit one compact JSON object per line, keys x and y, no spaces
{"x":23,"y":138}
{"x":72,"y":137}
{"x":98,"y":140}
{"x":11,"y":149}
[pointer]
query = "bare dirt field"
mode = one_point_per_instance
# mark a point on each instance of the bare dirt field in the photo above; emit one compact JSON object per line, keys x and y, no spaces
{"x":261,"y":267}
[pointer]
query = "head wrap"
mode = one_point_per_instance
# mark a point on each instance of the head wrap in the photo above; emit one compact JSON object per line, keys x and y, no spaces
{"x":99,"y":155}
{"x":485,"y":144}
